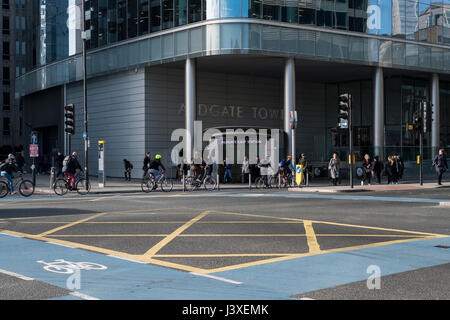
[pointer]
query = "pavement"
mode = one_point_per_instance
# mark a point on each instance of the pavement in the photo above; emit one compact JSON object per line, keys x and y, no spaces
{"x":318,"y":185}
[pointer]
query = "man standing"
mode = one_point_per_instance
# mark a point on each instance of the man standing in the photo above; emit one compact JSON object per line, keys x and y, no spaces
{"x":440,"y":164}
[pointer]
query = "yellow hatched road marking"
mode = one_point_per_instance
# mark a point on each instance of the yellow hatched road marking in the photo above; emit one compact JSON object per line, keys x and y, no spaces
{"x":311,"y":237}
{"x":72,"y":224}
{"x":150,"y":253}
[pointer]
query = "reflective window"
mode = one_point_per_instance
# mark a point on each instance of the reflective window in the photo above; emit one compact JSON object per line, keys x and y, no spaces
{"x":230,"y":8}
{"x":211,"y":9}
{"x":168,"y":13}
{"x":194,"y":10}
{"x":143,"y":17}
{"x":132,"y":18}
{"x":102,"y":22}
{"x":155,"y":15}
{"x":253,"y":7}
{"x":93,"y":43}
{"x":289,"y":11}
{"x":181,"y":9}
{"x":112,"y":21}
{"x":122,"y":19}
{"x":272,"y":10}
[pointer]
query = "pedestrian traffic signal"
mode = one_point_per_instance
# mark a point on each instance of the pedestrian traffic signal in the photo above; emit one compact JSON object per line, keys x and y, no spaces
{"x":69,"y":116}
{"x":344,"y":110}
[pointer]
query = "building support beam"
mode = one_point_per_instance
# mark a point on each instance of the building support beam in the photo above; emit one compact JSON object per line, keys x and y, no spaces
{"x":378,"y":117}
{"x":435,"y":124}
{"x":289,"y":103}
{"x":190,"y":103}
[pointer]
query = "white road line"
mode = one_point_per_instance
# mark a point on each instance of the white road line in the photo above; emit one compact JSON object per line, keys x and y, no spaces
{"x":126,"y":259}
{"x":215,"y":278}
{"x":445,"y":204}
{"x":16,"y":275}
{"x":61,"y":245}
{"x":306,"y":298}
{"x":82,"y":296}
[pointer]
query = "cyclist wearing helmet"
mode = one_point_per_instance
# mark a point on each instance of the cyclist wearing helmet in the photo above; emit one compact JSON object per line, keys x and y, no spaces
{"x":155,"y":166}
{"x":7,"y":169}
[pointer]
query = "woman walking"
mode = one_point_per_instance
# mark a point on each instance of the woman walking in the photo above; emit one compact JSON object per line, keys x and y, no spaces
{"x":367,"y":166}
{"x":333,"y":166}
{"x":440,"y":164}
{"x":378,"y":168}
{"x":391,"y":170}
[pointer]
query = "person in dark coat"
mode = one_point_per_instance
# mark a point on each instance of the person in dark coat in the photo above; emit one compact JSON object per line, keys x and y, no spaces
{"x":378,"y":168}
{"x":391,"y":171}
{"x":440,"y":164}
{"x":59,"y":164}
{"x":146,"y":162}
{"x":367,"y":166}
{"x":128,"y":167}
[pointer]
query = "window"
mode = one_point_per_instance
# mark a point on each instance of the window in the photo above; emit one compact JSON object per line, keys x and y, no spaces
{"x":132,"y":18}
{"x":102,"y":22}
{"x":6,"y":75}
{"x":6,"y":126}
{"x":181,"y":12}
{"x":122,"y":20}
{"x":112,"y":21}
{"x":155,"y":15}
{"x":5,"y":4}
{"x":6,"y":101}
{"x":5,"y":25}
{"x":6,"y":52}
{"x":167,"y":6}
{"x":143,"y":17}
{"x":194,"y":11}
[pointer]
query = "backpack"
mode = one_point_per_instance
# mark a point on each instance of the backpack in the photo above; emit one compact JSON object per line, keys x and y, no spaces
{"x":3,"y":165}
{"x":282,"y":163}
{"x":65,"y":164}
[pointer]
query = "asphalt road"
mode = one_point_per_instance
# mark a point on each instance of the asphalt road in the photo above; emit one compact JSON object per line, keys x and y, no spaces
{"x":258,"y":245}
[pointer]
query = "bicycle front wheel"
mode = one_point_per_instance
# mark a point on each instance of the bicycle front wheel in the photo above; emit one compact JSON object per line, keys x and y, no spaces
{"x":83,"y":186}
{"x":147,"y":186}
{"x":166,"y":185}
{"x":274,"y":181}
{"x":259,"y":183}
{"x":210,"y":184}
{"x":60,"y":187}
{"x":4,"y":189}
{"x":26,"y":188}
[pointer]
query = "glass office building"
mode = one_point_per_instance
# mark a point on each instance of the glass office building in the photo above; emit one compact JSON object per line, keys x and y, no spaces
{"x":388,"y":53}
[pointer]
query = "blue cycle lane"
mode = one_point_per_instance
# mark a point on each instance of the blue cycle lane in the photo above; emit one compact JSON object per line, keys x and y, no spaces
{"x":130,"y":280}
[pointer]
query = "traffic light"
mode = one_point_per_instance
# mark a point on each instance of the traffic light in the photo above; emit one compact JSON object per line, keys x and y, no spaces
{"x":426,"y":115}
{"x":69,"y":116}
{"x":344,"y":110}
{"x":417,"y":122}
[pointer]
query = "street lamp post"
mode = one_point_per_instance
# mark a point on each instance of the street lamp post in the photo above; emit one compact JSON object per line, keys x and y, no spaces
{"x":84,"y":36}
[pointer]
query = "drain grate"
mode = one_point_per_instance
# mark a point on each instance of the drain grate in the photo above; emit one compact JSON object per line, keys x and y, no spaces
{"x":443,"y":247}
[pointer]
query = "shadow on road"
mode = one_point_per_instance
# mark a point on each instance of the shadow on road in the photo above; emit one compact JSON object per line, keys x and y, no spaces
{"x":12,"y":213}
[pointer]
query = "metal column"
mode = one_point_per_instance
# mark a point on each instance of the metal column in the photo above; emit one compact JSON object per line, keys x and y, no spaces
{"x":191,"y":103}
{"x":289,"y":103}
{"x":435,"y":124}
{"x":378,"y":118}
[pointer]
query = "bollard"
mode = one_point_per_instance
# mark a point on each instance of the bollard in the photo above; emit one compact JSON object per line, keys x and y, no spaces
{"x":218,"y":182}
{"x":250,"y":181}
{"x":52,"y":177}
{"x":33,"y":173}
{"x":184,"y":181}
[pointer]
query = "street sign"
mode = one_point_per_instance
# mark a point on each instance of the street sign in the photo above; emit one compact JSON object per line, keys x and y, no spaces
{"x":344,"y":124}
{"x":84,"y":135}
{"x":34,"y":138}
{"x":299,"y":174}
{"x":34,"y":150}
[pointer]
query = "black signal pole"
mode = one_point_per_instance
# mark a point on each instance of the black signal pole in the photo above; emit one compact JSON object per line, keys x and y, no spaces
{"x":421,"y":136}
{"x":350,"y":133}
{"x":86,"y":136}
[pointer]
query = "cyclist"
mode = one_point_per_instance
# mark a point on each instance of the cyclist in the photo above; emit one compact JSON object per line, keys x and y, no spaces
{"x":71,"y":166}
{"x":7,"y":168}
{"x":207,"y":167}
{"x":154,"y":168}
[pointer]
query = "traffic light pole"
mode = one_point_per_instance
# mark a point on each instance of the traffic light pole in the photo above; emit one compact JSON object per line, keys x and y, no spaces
{"x":421,"y":136}
{"x":86,"y":140}
{"x":350,"y":133}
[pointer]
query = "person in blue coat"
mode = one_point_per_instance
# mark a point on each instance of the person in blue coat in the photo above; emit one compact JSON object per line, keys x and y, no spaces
{"x":440,"y":164}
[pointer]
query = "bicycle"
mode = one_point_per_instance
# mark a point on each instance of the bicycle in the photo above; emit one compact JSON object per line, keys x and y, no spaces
{"x":280,"y":180}
{"x":149,"y":184}
{"x":25,"y":187}
{"x":62,"y":185}
{"x":207,"y":181}
{"x":260,"y":182}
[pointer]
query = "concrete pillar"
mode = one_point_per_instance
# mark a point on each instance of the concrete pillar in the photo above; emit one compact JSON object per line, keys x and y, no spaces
{"x":378,"y":116}
{"x":435,"y":124}
{"x":191,"y":105}
{"x":289,"y":101}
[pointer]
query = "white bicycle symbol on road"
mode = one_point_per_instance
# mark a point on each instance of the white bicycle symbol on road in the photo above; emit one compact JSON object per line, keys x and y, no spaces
{"x":68,"y":267}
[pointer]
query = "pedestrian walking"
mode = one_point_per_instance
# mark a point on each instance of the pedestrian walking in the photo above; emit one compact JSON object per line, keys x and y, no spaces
{"x":367,"y":167}
{"x":391,"y":170}
{"x":400,"y":166}
{"x":333,"y":166}
{"x":378,"y":168}
{"x":128,"y":167}
{"x":245,"y":169}
{"x":59,"y":164}
{"x":146,"y":167}
{"x":228,"y":167}
{"x":440,"y":165}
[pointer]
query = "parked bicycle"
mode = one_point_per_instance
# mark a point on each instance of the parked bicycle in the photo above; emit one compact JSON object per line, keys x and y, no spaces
{"x":25,"y":187}
{"x":62,"y":185}
{"x":150,"y":183}
{"x":207,"y":181}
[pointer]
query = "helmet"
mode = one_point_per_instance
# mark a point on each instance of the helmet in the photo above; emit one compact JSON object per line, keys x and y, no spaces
{"x":11,"y":156}
{"x":158,"y":157}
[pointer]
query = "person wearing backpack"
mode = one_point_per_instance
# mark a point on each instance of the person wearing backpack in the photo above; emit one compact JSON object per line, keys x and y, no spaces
{"x":7,"y":168}
{"x":70,"y":167}
{"x":128,"y":167}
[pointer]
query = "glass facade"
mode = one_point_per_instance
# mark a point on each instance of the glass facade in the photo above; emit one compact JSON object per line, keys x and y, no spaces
{"x":117,"y":20}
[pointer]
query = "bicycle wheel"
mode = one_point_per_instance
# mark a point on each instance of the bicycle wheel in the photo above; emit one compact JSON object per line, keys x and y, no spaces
{"x":166,"y":185}
{"x":148,"y":186}
{"x":81,"y":186}
{"x":60,"y":187}
{"x":210,"y":184}
{"x":191,"y":184}
{"x":259,"y":182}
{"x":4,"y":189}
{"x":26,"y":188}
{"x":273,"y":181}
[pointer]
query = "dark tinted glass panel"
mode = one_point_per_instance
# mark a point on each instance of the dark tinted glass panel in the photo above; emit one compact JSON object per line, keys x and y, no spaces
{"x":143,"y":17}
{"x":271,"y":10}
{"x":254,"y":8}
{"x":181,"y":8}
{"x":122,"y":19}
{"x":194,"y":11}
{"x":132,"y":18}
{"x":102,"y":22}
{"x":94,"y":21}
{"x":306,"y":16}
{"x":290,"y":11}
{"x":168,"y":14}
{"x":112,"y":21}
{"x":324,"y":18}
{"x":155,"y":15}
